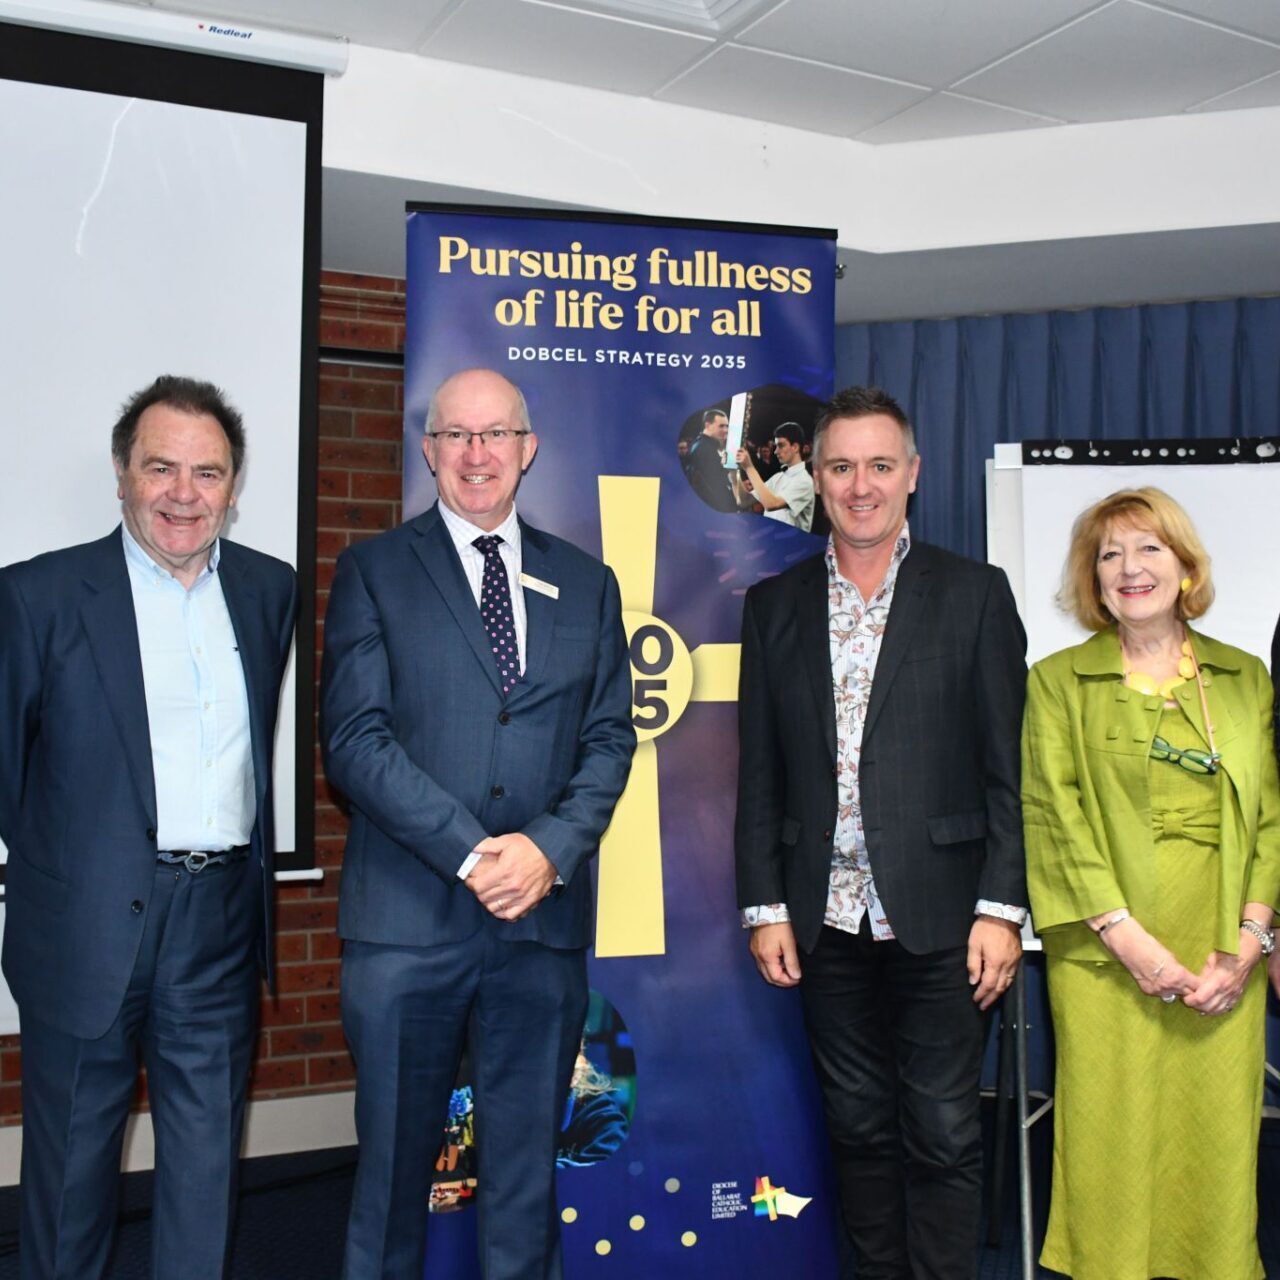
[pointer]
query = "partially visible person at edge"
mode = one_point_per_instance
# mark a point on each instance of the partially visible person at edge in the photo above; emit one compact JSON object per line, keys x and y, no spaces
{"x":1273,"y":963}
{"x":1152,"y":822}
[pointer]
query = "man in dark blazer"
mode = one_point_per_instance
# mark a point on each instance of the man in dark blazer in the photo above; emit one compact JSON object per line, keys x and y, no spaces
{"x":139,"y":680}
{"x":879,"y":837}
{"x":476,"y":708}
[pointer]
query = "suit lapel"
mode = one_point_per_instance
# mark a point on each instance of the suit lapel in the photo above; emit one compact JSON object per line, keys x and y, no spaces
{"x":112,"y":629}
{"x":241,"y":595}
{"x":814,"y":628}
{"x":435,"y":549}
{"x":914,"y":581}
{"x":539,"y":608}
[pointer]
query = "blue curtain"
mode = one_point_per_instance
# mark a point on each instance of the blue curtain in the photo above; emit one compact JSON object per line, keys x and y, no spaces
{"x":1175,"y":371}
{"x":1182,"y":370}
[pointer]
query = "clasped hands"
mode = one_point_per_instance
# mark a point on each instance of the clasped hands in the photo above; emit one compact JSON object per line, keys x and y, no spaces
{"x":1216,"y":989}
{"x":512,"y":876}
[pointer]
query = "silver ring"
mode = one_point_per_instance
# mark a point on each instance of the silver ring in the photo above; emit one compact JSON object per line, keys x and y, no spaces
{"x":501,"y":902}
{"x":1170,"y":997}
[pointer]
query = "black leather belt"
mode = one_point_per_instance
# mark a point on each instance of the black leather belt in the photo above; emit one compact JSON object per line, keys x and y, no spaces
{"x":196,"y":860}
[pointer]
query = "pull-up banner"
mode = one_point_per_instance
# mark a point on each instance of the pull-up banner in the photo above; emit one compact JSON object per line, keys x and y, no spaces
{"x":649,"y":353}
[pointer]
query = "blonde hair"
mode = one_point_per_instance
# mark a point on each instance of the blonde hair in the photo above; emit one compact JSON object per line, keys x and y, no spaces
{"x":1146,"y":508}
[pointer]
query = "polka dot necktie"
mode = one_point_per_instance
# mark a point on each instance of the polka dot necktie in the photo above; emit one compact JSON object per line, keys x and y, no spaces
{"x":495,"y":611}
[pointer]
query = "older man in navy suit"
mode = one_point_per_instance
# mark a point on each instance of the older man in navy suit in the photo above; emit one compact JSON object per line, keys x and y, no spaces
{"x":477,"y":713}
{"x":139,"y":680}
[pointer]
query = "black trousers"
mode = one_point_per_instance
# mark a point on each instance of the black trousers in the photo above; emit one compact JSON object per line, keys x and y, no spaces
{"x":897,"y":1043}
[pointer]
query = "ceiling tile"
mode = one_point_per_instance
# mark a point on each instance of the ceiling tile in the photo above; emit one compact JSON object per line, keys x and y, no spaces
{"x":385,"y":24}
{"x":1261,"y":17}
{"x":930,"y":42}
{"x":947,"y":115}
{"x":557,"y":43}
{"x":765,"y":86}
{"x":1122,"y":62}
{"x":1262,"y":93}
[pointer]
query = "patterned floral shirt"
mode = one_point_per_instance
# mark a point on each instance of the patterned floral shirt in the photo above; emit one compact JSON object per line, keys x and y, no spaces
{"x":856,"y":630}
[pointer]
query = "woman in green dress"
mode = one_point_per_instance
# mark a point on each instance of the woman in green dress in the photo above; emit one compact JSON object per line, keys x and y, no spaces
{"x":1152,"y":817}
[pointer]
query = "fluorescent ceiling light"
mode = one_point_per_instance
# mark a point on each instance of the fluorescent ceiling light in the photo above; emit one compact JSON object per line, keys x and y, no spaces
{"x":180,"y":31}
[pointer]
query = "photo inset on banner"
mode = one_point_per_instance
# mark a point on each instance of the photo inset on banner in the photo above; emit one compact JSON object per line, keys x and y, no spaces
{"x":751,"y":454}
{"x":597,"y":1114}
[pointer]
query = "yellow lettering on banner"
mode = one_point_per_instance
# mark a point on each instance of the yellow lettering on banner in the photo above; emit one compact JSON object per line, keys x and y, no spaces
{"x":665,"y":677}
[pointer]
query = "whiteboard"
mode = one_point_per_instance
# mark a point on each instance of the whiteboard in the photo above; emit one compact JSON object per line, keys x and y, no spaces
{"x":1234,"y":507}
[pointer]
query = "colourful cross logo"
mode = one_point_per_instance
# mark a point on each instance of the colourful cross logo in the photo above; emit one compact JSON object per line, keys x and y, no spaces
{"x":766,"y":1199}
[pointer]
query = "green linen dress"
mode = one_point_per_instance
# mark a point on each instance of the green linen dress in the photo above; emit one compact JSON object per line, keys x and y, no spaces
{"x":1157,"y":1109}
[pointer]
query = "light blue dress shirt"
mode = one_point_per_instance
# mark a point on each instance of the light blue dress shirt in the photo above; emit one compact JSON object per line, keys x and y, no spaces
{"x":197,"y":706}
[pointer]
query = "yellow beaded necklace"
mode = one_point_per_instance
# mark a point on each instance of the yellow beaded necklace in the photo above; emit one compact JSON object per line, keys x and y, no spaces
{"x":1144,"y":683}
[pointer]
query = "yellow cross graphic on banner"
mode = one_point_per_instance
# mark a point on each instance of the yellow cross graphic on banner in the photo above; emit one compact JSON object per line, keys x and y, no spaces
{"x":666,"y":677}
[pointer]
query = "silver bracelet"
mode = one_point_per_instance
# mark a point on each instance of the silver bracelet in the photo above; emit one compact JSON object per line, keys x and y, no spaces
{"x":1266,"y":937}
{"x":1114,"y":918}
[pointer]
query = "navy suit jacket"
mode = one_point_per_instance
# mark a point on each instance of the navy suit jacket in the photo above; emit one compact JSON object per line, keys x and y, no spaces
{"x":939,"y":774}
{"x":77,"y":789}
{"x":433,"y":758}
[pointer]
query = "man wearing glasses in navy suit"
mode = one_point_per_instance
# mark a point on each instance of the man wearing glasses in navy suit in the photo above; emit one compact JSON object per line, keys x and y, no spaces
{"x":476,"y":712}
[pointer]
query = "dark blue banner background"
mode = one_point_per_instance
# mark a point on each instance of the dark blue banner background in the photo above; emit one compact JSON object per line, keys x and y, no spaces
{"x":724,"y":1093}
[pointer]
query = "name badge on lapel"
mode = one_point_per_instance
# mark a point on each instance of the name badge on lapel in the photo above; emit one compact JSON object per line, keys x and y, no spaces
{"x":537,"y":584}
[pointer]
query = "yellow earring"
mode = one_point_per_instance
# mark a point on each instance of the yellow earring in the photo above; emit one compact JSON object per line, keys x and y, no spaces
{"x":1186,"y":585}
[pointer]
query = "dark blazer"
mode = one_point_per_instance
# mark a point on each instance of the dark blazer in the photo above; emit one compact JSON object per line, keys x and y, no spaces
{"x":77,"y":790}
{"x":939,"y":774}
{"x":433,"y":758}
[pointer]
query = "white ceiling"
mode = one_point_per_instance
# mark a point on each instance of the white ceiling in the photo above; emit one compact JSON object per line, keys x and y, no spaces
{"x":879,"y":71}
{"x":876,"y":70}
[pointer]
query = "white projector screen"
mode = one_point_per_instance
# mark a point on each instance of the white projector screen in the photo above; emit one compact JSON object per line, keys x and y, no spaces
{"x":160,"y":215}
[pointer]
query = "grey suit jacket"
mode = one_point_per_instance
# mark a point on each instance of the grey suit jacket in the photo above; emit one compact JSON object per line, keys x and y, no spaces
{"x":939,"y":772}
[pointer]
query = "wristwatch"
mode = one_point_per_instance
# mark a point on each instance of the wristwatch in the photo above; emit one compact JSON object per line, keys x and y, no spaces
{"x":1266,"y":937}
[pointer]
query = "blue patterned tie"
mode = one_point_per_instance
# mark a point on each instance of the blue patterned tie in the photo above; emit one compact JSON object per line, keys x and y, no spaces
{"x":495,"y":612}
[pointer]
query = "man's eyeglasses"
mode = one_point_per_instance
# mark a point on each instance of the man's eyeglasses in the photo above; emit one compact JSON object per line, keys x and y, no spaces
{"x":494,"y":437}
{"x":1189,"y":758}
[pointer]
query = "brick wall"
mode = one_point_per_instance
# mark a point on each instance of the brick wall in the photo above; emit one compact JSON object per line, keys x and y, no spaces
{"x":301,"y":1048}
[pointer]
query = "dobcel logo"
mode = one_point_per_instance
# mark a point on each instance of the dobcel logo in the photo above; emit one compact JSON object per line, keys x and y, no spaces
{"x":665,"y":677}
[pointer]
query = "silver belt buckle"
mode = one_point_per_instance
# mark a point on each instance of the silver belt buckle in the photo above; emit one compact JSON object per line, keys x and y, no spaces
{"x":195,"y":861}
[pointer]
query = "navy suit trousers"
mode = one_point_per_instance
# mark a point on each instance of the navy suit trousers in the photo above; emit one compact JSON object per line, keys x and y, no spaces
{"x":192,"y":1009}
{"x":407,"y":1012}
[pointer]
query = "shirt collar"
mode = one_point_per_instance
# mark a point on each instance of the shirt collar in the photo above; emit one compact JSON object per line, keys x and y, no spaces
{"x":900,"y":549}
{"x":136,"y":557}
{"x":464,"y":533}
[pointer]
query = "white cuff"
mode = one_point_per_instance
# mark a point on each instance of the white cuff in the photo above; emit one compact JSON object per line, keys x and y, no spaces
{"x":1001,"y":911}
{"x":774,"y":913}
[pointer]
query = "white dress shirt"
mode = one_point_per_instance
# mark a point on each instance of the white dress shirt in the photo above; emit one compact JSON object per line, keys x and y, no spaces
{"x":197,"y":706}
{"x":794,"y":485}
{"x":464,"y":533}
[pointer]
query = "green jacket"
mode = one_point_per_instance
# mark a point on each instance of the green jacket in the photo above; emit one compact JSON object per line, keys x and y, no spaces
{"x":1085,"y":806}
